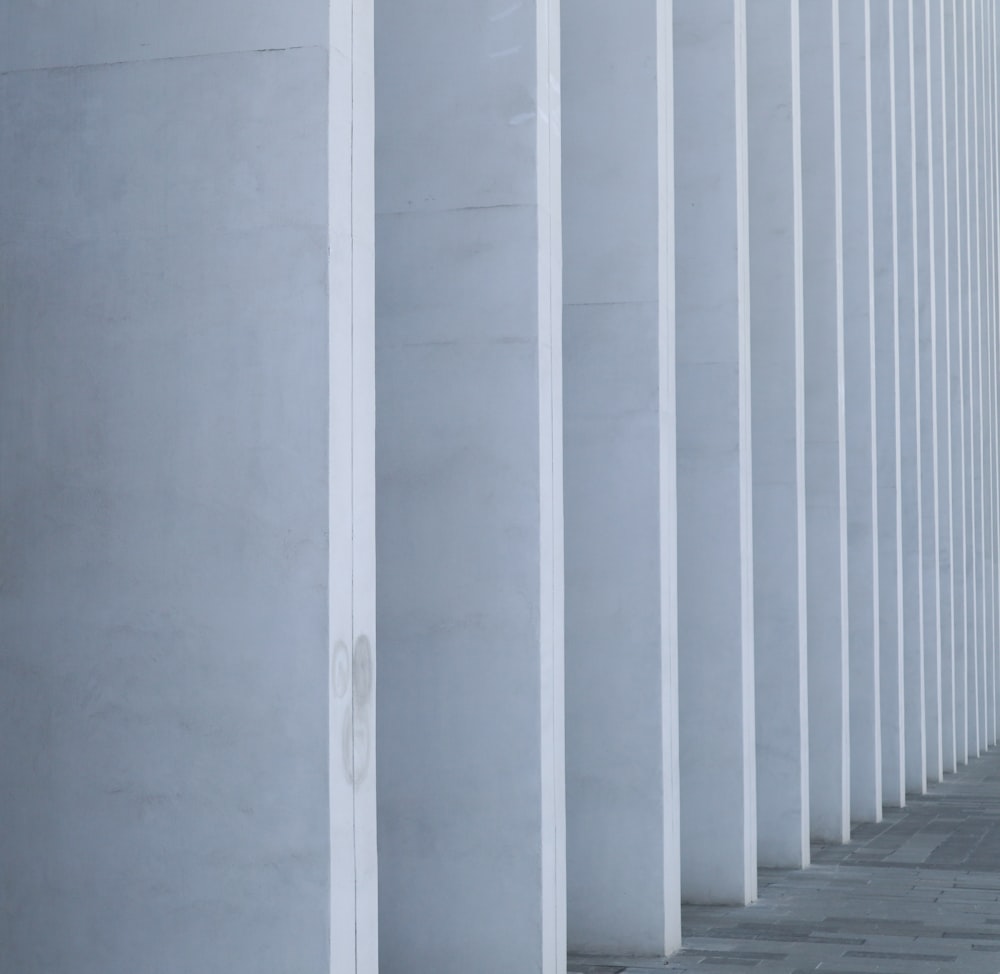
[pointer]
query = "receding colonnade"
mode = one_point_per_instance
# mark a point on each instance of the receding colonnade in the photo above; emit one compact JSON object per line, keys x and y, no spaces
{"x":610,"y":390}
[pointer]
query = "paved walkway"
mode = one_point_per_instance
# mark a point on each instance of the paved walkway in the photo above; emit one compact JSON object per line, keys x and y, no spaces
{"x":917,"y":894}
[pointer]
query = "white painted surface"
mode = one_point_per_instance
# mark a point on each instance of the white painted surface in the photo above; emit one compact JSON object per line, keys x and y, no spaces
{"x":925,"y":300}
{"x":979,"y":190}
{"x":966,"y":660}
{"x":987,"y":715}
{"x":979,"y":325}
{"x":995,"y":344}
{"x":175,"y":309}
{"x":825,"y":466}
{"x":859,"y":405}
{"x":990,"y":405}
{"x":623,"y":854}
{"x":469,"y":453}
{"x":990,"y":360}
{"x":994,"y":404}
{"x":976,"y":742}
{"x":782,"y":722}
{"x":714,"y":504}
{"x":982,"y":208}
{"x":910,"y":588}
{"x":351,"y":457}
{"x":942,"y":146}
{"x":986,"y":352}
{"x":887,"y":416}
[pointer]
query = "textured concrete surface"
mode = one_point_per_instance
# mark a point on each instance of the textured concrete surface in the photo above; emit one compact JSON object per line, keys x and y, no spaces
{"x":777,"y":433}
{"x":622,"y":834}
{"x":918,"y":893}
{"x":826,"y":485}
{"x":468,"y":303}
{"x":163,"y":609}
{"x":714,"y":478}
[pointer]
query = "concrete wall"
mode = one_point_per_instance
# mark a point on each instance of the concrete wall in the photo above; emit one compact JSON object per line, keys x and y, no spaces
{"x":166,"y":367}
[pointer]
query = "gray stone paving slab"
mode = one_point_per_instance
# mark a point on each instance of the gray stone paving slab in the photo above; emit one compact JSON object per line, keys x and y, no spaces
{"x":919,"y":893}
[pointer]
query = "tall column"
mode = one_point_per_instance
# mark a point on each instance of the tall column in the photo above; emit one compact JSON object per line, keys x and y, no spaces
{"x":991,"y":107}
{"x":994,"y":408}
{"x":942,"y":152}
{"x":469,"y":478}
{"x":991,"y":447}
{"x":910,"y":574}
{"x":925,"y":298}
{"x":623,"y":853}
{"x":352,"y":712}
{"x":186,"y":449}
{"x":987,"y":396}
{"x":826,"y":494}
{"x":959,"y":326}
{"x":886,"y":412}
{"x":859,"y":383}
{"x":979,"y":371}
{"x":982,"y":315}
{"x":714,"y":503}
{"x":995,"y":349}
{"x":777,"y":433}
{"x":974,"y":542}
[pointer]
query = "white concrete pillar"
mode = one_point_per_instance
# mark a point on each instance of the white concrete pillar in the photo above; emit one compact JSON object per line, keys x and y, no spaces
{"x":910,"y":573}
{"x":777,"y":433}
{"x":469,"y":468}
{"x":186,"y":451}
{"x":986,"y":219}
{"x":714,"y":503}
{"x":968,"y":213}
{"x":925,"y":298}
{"x":995,"y":347}
{"x":994,"y":409}
{"x":986,"y":157}
{"x":989,"y":13}
{"x":825,"y":467}
{"x":965,"y":661}
{"x":887,"y":414}
{"x":623,"y":852}
{"x":859,"y":382}
{"x":986,"y":394}
{"x":991,"y":107}
{"x":986,"y":672}
{"x":942,"y":149}
{"x":974,"y":538}
{"x":979,"y":372}
{"x":353,"y":842}
{"x":994,"y":406}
